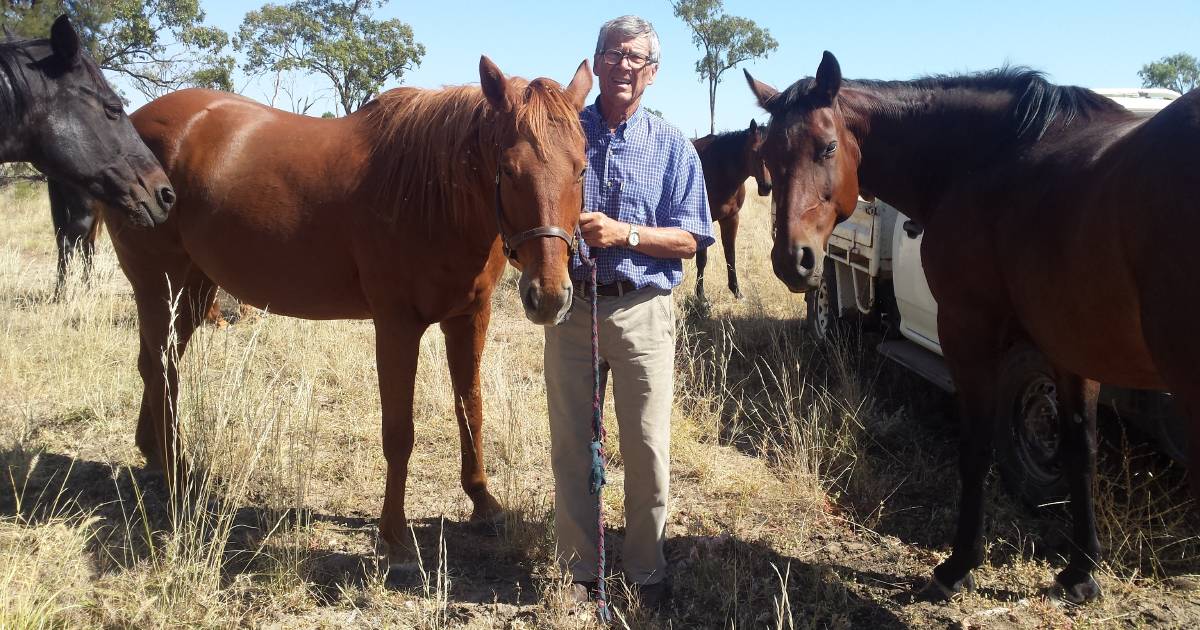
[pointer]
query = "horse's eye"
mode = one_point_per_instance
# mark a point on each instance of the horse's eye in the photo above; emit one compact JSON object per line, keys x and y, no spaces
{"x":829,"y":150}
{"x":582,"y":172}
{"x":113,"y":111}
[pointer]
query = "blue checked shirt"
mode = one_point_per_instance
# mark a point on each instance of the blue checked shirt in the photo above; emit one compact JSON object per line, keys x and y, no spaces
{"x":645,"y":173}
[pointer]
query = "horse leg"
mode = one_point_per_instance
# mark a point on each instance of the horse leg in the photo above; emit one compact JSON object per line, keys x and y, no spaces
{"x":973,"y":359}
{"x":729,"y":229}
{"x":397,"y":344}
{"x":465,"y":337}
{"x":60,"y":214}
{"x":701,"y":263}
{"x":88,"y":245}
{"x":75,"y":227}
{"x":164,"y":333}
{"x":1077,"y":419}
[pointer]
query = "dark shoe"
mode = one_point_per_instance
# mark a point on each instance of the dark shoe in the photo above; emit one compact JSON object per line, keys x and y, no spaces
{"x":584,"y":592}
{"x":654,"y":596}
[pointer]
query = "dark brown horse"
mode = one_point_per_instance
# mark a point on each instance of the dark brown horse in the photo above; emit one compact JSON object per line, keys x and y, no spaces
{"x":58,"y":112}
{"x":390,"y":213}
{"x":728,"y":160}
{"x":1051,"y":214}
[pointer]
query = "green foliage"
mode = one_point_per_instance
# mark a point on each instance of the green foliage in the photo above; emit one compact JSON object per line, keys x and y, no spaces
{"x":1179,"y":72}
{"x":337,"y":39}
{"x":726,"y":40}
{"x":159,"y":45}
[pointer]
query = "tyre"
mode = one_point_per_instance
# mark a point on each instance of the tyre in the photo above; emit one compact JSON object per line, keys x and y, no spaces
{"x":1028,"y":438}
{"x":823,"y":317}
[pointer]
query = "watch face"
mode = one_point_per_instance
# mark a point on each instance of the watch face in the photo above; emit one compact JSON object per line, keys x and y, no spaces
{"x":633,"y":238}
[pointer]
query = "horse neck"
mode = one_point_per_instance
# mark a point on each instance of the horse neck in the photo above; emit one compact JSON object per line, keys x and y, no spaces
{"x":916,"y":143}
{"x":728,"y":169}
{"x":464,"y":203}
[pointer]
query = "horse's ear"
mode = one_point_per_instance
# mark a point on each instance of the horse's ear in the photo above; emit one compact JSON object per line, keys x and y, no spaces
{"x":753,"y":126}
{"x":829,"y":77}
{"x":494,"y":84}
{"x":64,"y":41}
{"x":763,"y":92}
{"x":581,"y":84}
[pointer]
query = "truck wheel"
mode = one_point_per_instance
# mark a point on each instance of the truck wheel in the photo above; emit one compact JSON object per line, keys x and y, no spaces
{"x":1028,"y":438}
{"x":822,"y":316}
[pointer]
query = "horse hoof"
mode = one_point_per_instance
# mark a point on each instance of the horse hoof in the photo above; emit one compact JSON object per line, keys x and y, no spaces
{"x":490,"y":520}
{"x":936,"y":590}
{"x":737,"y":295}
{"x":1075,"y":587}
{"x":398,"y":557}
{"x":152,"y":465}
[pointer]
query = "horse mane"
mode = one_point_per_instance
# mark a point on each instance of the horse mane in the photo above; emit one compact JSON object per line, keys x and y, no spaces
{"x":1037,"y":103}
{"x":429,"y":146}
{"x":726,"y":142}
{"x":12,"y":101}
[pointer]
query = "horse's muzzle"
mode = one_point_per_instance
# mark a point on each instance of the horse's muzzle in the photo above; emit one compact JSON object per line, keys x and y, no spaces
{"x":799,"y":268}
{"x":545,"y":307}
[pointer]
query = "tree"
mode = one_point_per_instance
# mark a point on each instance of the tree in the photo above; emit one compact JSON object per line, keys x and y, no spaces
{"x":159,"y":45}
{"x":337,"y":39}
{"x":726,"y":40}
{"x":1179,"y":72}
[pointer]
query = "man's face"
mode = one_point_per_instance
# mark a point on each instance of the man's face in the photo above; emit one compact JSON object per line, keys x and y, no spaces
{"x":620,"y":82}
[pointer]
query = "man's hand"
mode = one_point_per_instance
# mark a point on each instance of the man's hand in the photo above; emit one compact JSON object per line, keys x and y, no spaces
{"x":600,"y":231}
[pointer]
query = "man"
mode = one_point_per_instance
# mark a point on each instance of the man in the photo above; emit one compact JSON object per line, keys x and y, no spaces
{"x":646,"y":209}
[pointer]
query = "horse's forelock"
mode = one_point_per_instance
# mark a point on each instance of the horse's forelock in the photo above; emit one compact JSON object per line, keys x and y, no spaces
{"x":544,"y":112}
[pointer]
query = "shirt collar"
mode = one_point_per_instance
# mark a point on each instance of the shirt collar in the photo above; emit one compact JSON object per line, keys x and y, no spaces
{"x":631,"y":124}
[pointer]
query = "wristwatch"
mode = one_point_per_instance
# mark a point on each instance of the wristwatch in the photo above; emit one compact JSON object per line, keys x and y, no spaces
{"x":633,"y":238}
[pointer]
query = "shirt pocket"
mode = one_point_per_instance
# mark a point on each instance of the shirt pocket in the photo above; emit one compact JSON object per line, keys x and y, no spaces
{"x":639,"y":200}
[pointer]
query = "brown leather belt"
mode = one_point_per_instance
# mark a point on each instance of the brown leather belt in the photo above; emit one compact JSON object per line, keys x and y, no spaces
{"x":615,"y":289}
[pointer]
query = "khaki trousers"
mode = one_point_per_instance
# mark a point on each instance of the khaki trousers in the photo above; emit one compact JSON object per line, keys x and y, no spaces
{"x":637,"y":345}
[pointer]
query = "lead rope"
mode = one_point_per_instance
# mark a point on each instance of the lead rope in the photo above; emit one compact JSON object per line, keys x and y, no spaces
{"x":597,"y":479}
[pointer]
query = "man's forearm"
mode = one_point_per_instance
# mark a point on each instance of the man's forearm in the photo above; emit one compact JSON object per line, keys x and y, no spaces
{"x":665,"y":242}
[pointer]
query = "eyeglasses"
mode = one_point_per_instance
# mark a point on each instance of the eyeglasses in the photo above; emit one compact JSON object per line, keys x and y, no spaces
{"x":636,"y":60}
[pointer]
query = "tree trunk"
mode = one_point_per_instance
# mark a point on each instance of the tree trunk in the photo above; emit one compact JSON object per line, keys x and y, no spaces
{"x":712,"y":105}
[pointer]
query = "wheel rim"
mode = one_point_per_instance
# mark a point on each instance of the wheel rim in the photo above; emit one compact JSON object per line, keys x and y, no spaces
{"x":1037,"y":429}
{"x":824,"y":309}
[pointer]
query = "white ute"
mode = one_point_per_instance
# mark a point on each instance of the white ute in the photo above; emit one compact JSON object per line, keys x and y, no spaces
{"x":873,"y":273}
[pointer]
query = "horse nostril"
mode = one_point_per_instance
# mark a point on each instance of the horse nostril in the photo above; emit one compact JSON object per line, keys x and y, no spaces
{"x":530,"y":299}
{"x":166,"y":197}
{"x":806,"y":260}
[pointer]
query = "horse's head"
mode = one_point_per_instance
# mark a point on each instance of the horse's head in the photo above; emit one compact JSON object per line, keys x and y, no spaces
{"x":813,"y":159}
{"x":540,"y":185}
{"x":755,"y":137}
{"x":74,"y":129}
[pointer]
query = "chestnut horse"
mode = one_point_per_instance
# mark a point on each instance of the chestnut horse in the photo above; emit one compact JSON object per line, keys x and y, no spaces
{"x":728,"y":159}
{"x":1050,"y":213}
{"x":396,"y":213}
{"x":58,"y":113}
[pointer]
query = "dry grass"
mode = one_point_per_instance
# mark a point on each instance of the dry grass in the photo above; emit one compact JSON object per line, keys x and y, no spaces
{"x":814,"y":485}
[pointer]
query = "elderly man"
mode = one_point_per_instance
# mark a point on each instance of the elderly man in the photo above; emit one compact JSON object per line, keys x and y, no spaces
{"x":646,"y":209}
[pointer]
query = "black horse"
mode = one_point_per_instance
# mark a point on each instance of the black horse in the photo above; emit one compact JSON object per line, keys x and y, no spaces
{"x":58,"y":113}
{"x":76,"y":224}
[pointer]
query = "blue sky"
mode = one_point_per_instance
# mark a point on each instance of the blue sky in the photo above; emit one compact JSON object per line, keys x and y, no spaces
{"x":1100,"y":43}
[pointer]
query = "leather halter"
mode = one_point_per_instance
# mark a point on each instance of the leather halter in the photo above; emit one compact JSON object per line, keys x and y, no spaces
{"x":511,"y":244}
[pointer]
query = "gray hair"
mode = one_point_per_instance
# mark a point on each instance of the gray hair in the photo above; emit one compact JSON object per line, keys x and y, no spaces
{"x":628,"y":27}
